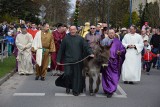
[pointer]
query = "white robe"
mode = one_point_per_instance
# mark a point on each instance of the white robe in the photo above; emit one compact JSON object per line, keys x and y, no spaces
{"x":37,"y":45}
{"x":24,"y":57}
{"x":131,"y":68}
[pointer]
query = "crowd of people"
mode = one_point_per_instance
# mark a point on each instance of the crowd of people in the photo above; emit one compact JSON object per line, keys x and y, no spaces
{"x":43,"y":48}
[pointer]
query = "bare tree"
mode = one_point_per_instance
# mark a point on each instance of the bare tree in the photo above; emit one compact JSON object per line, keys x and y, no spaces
{"x":91,"y":10}
{"x":57,"y":11}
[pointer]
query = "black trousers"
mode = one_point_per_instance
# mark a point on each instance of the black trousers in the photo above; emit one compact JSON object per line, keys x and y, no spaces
{"x":148,"y":65}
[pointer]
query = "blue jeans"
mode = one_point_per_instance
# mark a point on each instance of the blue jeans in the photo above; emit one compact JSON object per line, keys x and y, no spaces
{"x":155,"y":51}
{"x":158,"y":62}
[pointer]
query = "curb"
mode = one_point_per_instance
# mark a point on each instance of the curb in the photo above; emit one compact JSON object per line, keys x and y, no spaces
{"x":7,"y":76}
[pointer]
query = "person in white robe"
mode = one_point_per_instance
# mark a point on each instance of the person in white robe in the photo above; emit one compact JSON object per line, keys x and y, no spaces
{"x":24,"y":58}
{"x":131,"y":68}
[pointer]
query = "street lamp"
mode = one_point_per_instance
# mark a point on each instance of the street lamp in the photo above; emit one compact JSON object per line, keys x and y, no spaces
{"x":130,"y":19}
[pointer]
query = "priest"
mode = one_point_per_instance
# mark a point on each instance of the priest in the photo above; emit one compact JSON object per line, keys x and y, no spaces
{"x":24,"y":44}
{"x":131,"y":68}
{"x":111,"y":75}
{"x":33,"y":30}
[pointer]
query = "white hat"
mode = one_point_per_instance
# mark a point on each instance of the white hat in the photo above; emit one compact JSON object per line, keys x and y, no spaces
{"x":149,"y":48}
{"x":123,"y":29}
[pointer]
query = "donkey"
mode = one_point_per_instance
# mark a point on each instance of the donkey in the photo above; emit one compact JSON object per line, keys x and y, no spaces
{"x":92,"y":67}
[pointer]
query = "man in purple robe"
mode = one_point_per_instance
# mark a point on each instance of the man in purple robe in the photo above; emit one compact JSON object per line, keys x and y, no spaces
{"x":111,"y":74}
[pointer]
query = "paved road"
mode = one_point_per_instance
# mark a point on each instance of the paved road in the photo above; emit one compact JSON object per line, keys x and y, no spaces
{"x":24,"y":91}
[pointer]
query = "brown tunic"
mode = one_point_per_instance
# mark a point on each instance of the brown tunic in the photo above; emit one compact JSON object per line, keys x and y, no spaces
{"x":49,"y":46}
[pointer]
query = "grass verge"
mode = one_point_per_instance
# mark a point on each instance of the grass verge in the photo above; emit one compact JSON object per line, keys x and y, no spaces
{"x":7,"y":65}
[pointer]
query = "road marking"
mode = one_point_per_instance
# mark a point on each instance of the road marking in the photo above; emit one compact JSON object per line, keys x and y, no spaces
{"x":115,"y":95}
{"x":121,"y":91}
{"x":123,"y":94}
{"x":29,"y":94}
{"x":68,"y":95}
{"x":83,"y":95}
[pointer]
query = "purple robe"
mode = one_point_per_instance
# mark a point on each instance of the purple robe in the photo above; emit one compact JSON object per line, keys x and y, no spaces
{"x":111,"y":74}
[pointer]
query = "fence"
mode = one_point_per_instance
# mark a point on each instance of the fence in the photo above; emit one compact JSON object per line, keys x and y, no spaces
{"x":3,"y":49}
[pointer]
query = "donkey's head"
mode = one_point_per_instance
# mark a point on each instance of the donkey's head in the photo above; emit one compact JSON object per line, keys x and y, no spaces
{"x":101,"y":54}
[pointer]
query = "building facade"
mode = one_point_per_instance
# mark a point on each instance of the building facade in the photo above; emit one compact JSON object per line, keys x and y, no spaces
{"x":136,"y":3}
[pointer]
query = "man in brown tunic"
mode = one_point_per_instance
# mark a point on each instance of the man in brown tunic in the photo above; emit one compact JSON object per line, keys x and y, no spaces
{"x":43,"y":45}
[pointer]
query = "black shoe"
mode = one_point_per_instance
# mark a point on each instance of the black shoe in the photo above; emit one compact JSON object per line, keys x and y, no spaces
{"x":43,"y":78}
{"x":48,"y":70}
{"x":16,"y":70}
{"x":130,"y":82}
{"x":153,"y":66}
{"x":109,"y":95}
{"x":67,"y":90}
{"x":125,"y":82}
{"x":21,"y":74}
{"x":75,"y":93}
{"x":37,"y":77}
{"x":148,"y":73}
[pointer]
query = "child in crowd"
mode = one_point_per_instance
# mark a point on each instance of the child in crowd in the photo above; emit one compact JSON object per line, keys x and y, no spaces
{"x":146,"y":45}
{"x":148,"y":57}
{"x":10,"y":42}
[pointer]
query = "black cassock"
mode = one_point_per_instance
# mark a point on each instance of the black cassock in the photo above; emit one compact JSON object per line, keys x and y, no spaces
{"x":73,"y":49}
